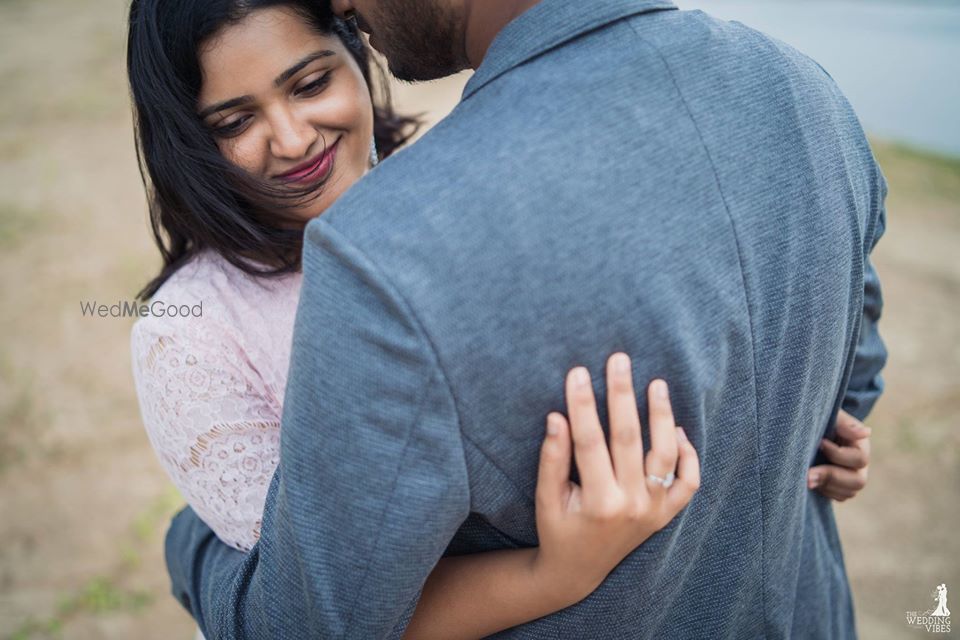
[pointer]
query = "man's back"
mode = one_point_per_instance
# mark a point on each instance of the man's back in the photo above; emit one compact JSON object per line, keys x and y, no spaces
{"x":676,"y":187}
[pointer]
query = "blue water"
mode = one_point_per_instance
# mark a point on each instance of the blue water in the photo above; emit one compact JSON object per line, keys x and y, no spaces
{"x":898,"y":62}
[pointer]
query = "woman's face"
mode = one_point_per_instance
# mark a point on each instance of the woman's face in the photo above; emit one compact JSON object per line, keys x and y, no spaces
{"x":288,"y":104}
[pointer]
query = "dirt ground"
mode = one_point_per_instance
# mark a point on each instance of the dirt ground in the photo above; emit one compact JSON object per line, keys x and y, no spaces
{"x":83,"y":503}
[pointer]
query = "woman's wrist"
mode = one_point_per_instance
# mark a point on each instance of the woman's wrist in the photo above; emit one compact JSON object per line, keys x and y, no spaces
{"x":559,"y":586}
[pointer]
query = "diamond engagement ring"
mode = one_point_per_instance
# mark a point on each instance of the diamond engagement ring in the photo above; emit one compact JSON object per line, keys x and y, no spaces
{"x":664,"y":482}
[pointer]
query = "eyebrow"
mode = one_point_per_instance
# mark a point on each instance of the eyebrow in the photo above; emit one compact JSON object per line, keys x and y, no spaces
{"x":295,"y":69}
{"x":278,"y":81}
{"x":223,"y":106}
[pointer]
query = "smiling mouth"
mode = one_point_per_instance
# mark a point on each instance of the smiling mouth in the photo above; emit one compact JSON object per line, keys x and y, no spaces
{"x":312,"y":169}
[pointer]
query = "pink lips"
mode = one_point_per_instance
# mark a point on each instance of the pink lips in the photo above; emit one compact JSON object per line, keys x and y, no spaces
{"x":312,"y":169}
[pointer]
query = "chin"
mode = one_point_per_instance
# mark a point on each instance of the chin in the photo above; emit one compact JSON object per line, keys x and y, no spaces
{"x":315,"y":209}
{"x":330,"y":193}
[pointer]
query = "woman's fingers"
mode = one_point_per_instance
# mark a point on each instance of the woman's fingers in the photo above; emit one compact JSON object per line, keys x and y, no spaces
{"x":850,"y":457}
{"x":626,"y":443}
{"x":849,"y":428}
{"x":553,"y":477}
{"x":837,"y":494}
{"x":688,"y":474}
{"x":854,"y":456}
{"x":833,"y":478}
{"x":662,"y":457}
{"x":589,"y":443}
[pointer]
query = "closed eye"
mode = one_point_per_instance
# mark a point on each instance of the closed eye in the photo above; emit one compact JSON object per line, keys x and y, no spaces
{"x":231,"y":128}
{"x":313,"y":88}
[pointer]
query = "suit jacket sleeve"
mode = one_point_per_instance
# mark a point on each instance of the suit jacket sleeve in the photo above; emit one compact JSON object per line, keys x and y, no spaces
{"x":866,"y":382}
{"x":372,"y":482}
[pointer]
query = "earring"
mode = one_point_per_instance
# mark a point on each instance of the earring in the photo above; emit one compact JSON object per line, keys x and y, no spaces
{"x":374,"y":158}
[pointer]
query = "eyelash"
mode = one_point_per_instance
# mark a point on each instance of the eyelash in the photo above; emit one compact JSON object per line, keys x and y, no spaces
{"x":307,"y":91}
{"x":231,"y":129}
{"x":313,"y":88}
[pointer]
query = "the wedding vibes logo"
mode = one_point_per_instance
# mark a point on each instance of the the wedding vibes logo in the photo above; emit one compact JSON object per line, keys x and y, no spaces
{"x":934,"y":620}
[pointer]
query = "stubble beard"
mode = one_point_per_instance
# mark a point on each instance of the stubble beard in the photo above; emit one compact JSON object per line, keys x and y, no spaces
{"x":421,"y":39}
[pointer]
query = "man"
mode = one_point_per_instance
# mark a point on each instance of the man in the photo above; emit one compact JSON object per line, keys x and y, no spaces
{"x":619,"y":175}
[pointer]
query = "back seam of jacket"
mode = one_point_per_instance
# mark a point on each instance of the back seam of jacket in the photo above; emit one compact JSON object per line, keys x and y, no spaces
{"x":421,"y":328}
{"x":746,"y":300}
{"x":418,"y":327}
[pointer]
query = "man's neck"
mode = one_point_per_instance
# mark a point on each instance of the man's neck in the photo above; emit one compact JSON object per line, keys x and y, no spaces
{"x":484,"y":20}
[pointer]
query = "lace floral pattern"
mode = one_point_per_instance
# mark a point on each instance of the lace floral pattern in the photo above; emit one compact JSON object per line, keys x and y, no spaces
{"x":211,"y":389}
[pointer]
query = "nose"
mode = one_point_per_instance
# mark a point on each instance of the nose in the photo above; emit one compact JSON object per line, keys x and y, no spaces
{"x":342,"y":8}
{"x":291,"y":137}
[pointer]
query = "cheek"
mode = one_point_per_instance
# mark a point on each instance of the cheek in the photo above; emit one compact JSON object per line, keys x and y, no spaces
{"x":347,"y":109}
{"x":346,"y":105}
{"x":363,"y":119}
{"x":246,"y":151}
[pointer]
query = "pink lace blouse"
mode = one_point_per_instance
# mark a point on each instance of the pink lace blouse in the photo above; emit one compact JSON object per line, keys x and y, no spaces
{"x":211,"y":388}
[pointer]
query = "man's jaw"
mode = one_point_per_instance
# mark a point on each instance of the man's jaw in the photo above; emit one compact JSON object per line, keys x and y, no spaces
{"x":408,"y":53}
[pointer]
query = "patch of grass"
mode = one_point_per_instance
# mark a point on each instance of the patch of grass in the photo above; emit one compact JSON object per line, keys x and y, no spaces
{"x":11,"y":5}
{"x":20,"y":416}
{"x":130,"y":557}
{"x":906,"y":437}
{"x":916,"y":174}
{"x":932,"y":158}
{"x":149,"y":521}
{"x":15,"y":223}
{"x":51,"y":628}
{"x":105,"y":594}
{"x":99,"y":596}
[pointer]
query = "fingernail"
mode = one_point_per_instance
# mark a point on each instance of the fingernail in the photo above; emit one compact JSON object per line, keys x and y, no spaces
{"x":553,"y":427}
{"x":621,"y":363}
{"x":581,"y":377}
{"x":864,"y":429}
{"x":814,"y":480}
{"x":682,"y":434}
{"x":660,"y":389}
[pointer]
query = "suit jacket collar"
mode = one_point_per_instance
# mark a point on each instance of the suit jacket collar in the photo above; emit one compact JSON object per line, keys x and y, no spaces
{"x":549,"y":24}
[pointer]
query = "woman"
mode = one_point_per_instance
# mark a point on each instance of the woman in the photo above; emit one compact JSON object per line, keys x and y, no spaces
{"x":252,"y":118}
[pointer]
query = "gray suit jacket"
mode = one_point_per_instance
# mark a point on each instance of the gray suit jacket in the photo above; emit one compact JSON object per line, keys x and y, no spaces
{"x":620,"y":175}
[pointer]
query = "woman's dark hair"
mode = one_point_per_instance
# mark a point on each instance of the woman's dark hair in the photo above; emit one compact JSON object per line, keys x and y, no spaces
{"x":197,"y":198}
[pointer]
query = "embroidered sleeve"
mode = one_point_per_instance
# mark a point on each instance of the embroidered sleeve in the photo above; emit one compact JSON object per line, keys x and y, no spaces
{"x":212,"y":422}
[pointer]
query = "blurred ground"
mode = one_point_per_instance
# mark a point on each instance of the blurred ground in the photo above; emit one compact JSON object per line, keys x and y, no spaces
{"x":83,"y":504}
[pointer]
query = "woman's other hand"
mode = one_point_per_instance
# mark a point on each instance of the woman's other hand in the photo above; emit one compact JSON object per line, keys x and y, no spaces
{"x":850,"y":458}
{"x":585,"y":530}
